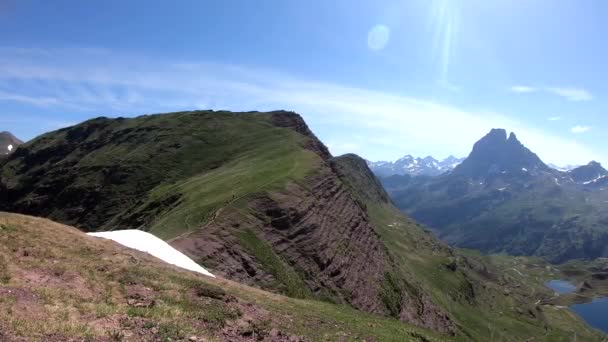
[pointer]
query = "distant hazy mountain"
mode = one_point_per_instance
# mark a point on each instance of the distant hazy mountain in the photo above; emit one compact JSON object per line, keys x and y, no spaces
{"x":503,"y":198}
{"x":409,"y":165}
{"x":8,"y":143}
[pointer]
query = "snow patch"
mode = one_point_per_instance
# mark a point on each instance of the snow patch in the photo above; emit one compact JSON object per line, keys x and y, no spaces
{"x":146,"y":242}
{"x":10,"y":148}
{"x":524,"y":169}
{"x":595,"y":180}
{"x":502,"y":189}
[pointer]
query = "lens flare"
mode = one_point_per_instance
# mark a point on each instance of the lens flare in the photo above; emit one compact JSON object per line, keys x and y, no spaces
{"x":377,"y":37}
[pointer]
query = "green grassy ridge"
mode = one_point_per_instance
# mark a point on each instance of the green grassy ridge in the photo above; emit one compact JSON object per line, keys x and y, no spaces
{"x":200,"y":160}
{"x":486,"y":312}
{"x":269,"y":167}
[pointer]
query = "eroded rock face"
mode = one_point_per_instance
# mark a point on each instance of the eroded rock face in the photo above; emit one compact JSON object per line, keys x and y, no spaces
{"x":295,"y":122}
{"x":320,"y":230}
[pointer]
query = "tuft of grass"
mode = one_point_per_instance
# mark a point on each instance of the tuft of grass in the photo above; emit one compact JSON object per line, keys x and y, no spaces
{"x":391,"y":294}
{"x":5,"y":275}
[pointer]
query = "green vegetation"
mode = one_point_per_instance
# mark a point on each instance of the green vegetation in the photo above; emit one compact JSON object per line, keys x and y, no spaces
{"x":286,"y":276}
{"x":169,"y":174}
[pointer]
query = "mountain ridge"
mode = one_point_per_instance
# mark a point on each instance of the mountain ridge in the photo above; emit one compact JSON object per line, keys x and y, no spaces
{"x":503,"y":198}
{"x":415,"y":166}
{"x":256,"y":198}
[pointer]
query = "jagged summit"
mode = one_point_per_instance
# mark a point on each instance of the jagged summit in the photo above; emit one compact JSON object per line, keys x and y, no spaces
{"x":415,"y":166}
{"x":496,"y":153}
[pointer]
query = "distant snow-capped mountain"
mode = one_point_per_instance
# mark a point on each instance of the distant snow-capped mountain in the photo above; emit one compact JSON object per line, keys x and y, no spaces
{"x":410,"y":165}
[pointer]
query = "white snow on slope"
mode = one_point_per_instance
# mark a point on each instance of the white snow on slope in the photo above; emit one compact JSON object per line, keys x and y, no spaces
{"x":146,"y":242}
{"x":595,"y":180}
{"x":10,"y":148}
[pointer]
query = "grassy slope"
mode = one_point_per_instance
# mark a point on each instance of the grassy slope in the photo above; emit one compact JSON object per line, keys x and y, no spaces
{"x":57,"y":283}
{"x":490,"y":313}
{"x":256,"y":157}
{"x":273,"y":157}
{"x":168,"y":173}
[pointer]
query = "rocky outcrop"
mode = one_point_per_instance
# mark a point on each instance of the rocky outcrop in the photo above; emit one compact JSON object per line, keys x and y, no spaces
{"x":295,"y":122}
{"x":322,"y":232}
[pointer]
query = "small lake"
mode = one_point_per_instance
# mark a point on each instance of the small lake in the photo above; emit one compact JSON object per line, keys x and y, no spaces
{"x":595,"y":313}
{"x":561,"y":286}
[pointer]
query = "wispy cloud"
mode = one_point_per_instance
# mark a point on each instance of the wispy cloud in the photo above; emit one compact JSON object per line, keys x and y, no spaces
{"x":555,"y":118}
{"x":580,"y":129}
{"x":523,"y":89}
{"x":572,"y":94}
{"x":569,"y":93}
{"x":42,"y":101}
{"x":390,"y":125}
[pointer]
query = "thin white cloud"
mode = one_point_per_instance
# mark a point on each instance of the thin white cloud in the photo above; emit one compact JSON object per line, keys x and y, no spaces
{"x":41,"y":101}
{"x":523,"y":89}
{"x":572,"y":94}
{"x":580,"y":129}
{"x":555,"y":118}
{"x":569,"y":93}
{"x":129,"y":85}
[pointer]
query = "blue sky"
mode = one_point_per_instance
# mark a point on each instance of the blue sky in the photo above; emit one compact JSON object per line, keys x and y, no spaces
{"x":378,"y":78}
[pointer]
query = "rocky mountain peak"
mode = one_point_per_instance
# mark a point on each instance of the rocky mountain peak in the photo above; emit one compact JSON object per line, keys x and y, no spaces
{"x":496,"y":153}
{"x":589,"y":173}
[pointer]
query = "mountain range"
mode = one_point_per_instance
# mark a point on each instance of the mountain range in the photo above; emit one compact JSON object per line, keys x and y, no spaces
{"x":409,"y":165}
{"x":258,"y":200}
{"x":504,"y":198}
